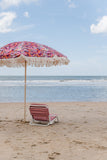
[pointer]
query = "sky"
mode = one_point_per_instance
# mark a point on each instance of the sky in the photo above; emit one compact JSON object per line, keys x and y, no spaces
{"x":77,"y":29}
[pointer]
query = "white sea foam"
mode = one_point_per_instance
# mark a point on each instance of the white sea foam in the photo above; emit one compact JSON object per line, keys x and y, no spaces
{"x":94,"y":82}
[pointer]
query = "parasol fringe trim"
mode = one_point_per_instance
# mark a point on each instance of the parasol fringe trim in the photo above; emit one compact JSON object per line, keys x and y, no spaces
{"x":34,"y":61}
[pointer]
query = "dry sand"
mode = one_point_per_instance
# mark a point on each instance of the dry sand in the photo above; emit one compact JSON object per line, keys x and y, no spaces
{"x":81,"y":133}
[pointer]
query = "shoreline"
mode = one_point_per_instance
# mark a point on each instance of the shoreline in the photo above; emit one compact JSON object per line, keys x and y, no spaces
{"x":80,"y":134}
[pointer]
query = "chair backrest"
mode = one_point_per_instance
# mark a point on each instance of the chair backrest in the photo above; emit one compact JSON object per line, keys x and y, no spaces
{"x":40,"y":113}
{"x":38,"y":104}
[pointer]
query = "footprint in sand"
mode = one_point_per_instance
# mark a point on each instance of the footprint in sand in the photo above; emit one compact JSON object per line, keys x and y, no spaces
{"x":7,"y":141}
{"x":44,"y":142}
{"x":53,"y":155}
{"x":85,"y":122}
{"x":78,"y":142}
{"x":33,"y":145}
{"x":19,"y":153}
{"x":101,"y":147}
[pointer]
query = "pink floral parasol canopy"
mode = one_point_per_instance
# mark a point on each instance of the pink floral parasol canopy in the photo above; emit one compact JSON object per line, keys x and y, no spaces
{"x":15,"y":54}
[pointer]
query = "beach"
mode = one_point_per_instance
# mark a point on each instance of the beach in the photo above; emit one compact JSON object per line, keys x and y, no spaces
{"x":81,"y":133}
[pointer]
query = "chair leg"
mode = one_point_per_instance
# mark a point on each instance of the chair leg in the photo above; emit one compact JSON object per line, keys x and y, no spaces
{"x":57,"y":119}
{"x":31,"y":122}
{"x":34,"y":122}
{"x":54,"y":120}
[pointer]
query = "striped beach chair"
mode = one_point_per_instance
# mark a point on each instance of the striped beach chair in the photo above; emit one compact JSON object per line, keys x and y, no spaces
{"x":40,"y":115}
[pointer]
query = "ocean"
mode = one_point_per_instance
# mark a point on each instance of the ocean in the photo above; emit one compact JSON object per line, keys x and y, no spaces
{"x":54,"y":88}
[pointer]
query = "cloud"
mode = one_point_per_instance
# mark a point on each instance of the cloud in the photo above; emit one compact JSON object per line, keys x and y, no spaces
{"x":100,"y":27}
{"x":26,"y":14}
{"x":8,"y":3}
{"x":6,"y":19}
{"x":71,"y":4}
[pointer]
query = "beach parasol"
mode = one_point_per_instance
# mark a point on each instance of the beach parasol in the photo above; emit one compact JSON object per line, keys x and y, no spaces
{"x":18,"y":54}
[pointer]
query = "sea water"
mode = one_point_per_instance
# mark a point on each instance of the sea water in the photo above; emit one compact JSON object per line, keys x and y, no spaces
{"x":53,"y":88}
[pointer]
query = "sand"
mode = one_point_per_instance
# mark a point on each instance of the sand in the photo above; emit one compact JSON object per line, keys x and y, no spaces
{"x":81,"y":133}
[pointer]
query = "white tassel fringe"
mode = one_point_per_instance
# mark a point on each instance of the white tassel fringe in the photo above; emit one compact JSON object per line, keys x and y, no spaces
{"x":34,"y":61}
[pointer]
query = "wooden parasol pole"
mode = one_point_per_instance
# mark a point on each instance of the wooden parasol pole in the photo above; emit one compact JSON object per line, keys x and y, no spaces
{"x":25,"y":93}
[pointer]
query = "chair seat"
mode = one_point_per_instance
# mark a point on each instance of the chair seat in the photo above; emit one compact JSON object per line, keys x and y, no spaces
{"x":52,"y":116}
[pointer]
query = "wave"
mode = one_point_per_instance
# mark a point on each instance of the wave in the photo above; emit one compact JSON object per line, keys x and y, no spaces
{"x":95,"y":82}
